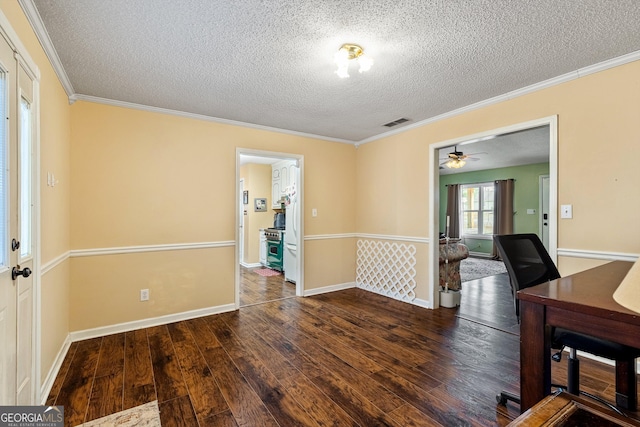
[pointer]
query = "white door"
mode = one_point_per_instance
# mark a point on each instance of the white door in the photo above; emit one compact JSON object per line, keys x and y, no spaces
{"x":544,"y":210}
{"x":17,"y":130}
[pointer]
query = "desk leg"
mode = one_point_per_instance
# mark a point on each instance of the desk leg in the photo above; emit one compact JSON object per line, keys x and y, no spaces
{"x":535,"y":355}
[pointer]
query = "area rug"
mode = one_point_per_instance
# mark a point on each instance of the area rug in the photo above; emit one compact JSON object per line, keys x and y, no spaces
{"x":477,"y":268}
{"x":147,"y":415}
{"x":267,"y":272}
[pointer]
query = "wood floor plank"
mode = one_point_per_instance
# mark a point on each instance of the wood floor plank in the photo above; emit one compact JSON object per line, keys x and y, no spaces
{"x":111,"y":361}
{"x":76,"y":388}
{"x":317,"y":404}
{"x":375,"y":392}
{"x":206,"y":398}
{"x":62,"y":373}
{"x":409,"y":416}
{"x":106,"y":396}
{"x":177,"y":412}
{"x":223,"y":419}
{"x":246,"y":406}
{"x":166,"y":368}
{"x":274,"y":396}
{"x":282,"y":406}
{"x":139,"y":386}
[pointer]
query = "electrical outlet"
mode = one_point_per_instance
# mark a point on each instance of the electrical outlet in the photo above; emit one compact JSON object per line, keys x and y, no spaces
{"x":144,"y":294}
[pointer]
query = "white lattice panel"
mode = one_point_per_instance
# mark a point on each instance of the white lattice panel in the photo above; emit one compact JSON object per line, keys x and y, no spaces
{"x":387,"y":268}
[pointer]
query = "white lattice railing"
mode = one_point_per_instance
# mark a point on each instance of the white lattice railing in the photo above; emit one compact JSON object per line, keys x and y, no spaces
{"x":387,"y":268}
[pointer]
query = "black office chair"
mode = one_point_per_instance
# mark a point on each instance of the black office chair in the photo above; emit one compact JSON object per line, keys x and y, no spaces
{"x":528,"y":264}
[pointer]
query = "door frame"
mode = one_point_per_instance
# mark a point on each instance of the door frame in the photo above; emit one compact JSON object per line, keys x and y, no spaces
{"x":434,"y":191}
{"x":541,"y":205}
{"x":300,"y":200}
{"x":29,"y":65}
{"x":241,"y":208}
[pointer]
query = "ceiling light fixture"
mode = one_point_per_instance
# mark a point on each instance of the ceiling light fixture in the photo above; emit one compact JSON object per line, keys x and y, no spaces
{"x":455,"y":163}
{"x":346,"y":53}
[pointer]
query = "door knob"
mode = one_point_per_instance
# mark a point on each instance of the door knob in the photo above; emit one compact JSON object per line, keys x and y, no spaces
{"x":15,"y":272}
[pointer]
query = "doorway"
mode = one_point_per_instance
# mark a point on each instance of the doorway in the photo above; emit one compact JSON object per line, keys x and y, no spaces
{"x":550,"y":126}
{"x":19,"y":229}
{"x":269,"y":221}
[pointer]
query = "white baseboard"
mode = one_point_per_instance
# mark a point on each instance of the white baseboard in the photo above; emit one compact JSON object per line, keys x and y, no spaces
{"x":332,"y":288}
{"x":422,"y":303}
{"x":480,"y":255}
{"x":147,"y":323}
{"x":46,"y":386}
{"x":252,"y":265}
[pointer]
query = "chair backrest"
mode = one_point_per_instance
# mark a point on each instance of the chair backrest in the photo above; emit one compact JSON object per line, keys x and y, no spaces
{"x":528,"y":262}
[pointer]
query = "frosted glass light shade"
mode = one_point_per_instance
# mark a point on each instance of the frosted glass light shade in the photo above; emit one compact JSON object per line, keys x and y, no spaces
{"x":628,"y":292}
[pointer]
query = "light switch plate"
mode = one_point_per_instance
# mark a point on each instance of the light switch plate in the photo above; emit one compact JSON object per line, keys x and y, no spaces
{"x":566,"y":211}
{"x":531,"y":211}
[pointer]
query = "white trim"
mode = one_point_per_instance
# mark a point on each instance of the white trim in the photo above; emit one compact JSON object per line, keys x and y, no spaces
{"x":299,"y":158}
{"x":149,"y":248}
{"x":330,"y":288}
{"x":434,"y":185}
{"x":582,"y":72}
{"x":54,"y":263}
{"x":330,"y":236}
{"x":608,"y":256}
{"x":422,"y":303}
{"x":47,"y":384}
{"x":251,"y":265}
{"x":18,"y":47}
{"x":574,"y":253}
{"x":479,"y":254}
{"x":149,"y":322}
{"x":131,"y":105}
{"x":394,"y":238}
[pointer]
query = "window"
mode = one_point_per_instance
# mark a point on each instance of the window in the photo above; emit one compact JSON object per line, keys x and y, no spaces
{"x":476,"y":206}
{"x":26,"y":202}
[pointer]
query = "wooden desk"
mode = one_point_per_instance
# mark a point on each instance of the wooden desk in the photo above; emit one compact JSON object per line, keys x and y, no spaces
{"x":582,"y":302}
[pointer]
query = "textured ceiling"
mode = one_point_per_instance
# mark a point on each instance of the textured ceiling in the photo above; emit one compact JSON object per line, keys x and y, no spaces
{"x":270,"y":62}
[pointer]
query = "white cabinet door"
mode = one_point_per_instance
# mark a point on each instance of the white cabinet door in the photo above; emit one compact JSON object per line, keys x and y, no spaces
{"x":275,"y":187}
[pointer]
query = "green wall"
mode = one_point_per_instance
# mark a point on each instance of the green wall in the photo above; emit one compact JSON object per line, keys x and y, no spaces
{"x":526,"y":196}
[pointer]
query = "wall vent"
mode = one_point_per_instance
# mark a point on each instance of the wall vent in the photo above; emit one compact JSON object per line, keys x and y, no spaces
{"x":396,"y":122}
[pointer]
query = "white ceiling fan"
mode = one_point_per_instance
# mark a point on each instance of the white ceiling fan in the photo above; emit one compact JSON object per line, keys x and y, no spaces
{"x":457,"y":159}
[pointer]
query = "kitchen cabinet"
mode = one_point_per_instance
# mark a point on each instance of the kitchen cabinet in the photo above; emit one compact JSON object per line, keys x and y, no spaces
{"x":263,"y":249}
{"x":282,"y":177}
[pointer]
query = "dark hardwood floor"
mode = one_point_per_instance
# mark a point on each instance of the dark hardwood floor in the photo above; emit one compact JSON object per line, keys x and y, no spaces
{"x":343,"y":358}
{"x":256,"y":289}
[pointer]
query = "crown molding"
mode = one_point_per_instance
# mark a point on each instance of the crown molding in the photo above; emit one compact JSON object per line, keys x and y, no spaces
{"x":40,"y":30}
{"x":124,"y":104}
{"x":582,"y":72}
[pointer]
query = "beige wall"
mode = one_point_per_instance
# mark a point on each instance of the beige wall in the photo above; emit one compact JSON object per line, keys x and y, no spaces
{"x":257,"y":180}
{"x":142,"y":178}
{"x":597,"y":130}
{"x":55,"y":128}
